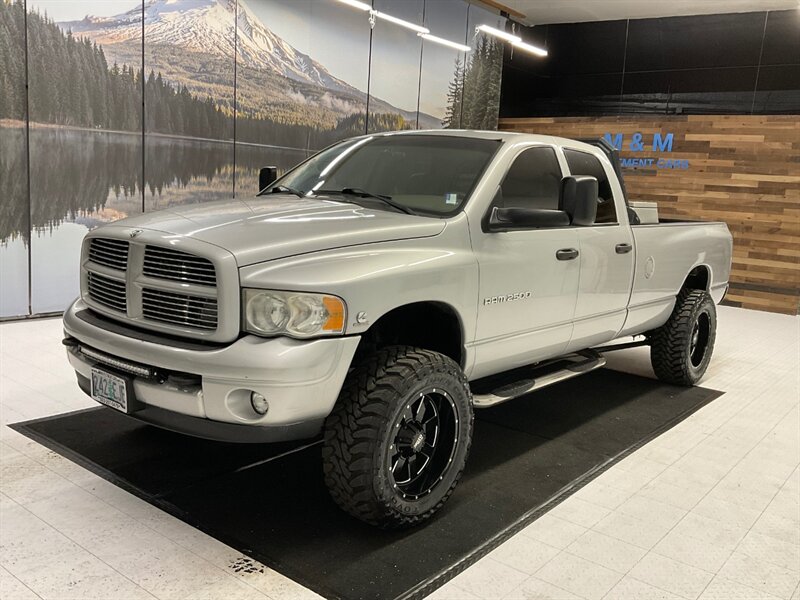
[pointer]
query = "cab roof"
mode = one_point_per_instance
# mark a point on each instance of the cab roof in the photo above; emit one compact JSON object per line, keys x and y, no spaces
{"x":504,"y":136}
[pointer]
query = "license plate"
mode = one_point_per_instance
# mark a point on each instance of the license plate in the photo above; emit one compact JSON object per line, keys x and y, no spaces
{"x":110,"y":390}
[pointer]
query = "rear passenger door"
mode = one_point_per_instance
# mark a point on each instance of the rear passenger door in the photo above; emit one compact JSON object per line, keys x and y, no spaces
{"x":606,"y":258}
{"x":527,"y":294}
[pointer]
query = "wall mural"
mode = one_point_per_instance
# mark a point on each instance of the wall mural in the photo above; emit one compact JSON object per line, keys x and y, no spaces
{"x":85,"y":144}
{"x":483,"y":70}
{"x":442,"y":73}
{"x":228,"y":86}
{"x":396,"y":62}
{"x":14,"y":233}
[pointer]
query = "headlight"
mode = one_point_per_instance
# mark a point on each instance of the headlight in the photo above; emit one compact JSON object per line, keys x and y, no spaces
{"x":296,"y":314}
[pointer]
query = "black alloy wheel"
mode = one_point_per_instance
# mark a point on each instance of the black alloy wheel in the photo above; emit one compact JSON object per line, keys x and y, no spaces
{"x":424,"y":444}
{"x":699,"y":340}
{"x":681,"y":349}
{"x":397,"y":440}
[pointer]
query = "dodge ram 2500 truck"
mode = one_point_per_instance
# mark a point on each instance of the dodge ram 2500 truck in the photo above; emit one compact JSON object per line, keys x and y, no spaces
{"x":379,"y":292}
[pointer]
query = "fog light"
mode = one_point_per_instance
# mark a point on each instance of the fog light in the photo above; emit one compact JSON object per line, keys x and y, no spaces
{"x":259,"y":403}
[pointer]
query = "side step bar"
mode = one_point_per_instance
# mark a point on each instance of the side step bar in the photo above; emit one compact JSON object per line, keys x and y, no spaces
{"x":535,"y":378}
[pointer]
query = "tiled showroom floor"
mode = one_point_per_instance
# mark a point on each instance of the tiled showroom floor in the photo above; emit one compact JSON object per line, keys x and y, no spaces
{"x":710,"y":509}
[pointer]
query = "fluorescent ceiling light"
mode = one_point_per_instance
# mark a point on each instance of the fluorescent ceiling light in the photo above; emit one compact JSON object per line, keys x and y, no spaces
{"x":532,"y":49}
{"x":401,"y":22}
{"x":515,"y":40}
{"x":357,"y":4}
{"x":503,"y":35}
{"x":381,"y":15}
{"x":444,"y":42}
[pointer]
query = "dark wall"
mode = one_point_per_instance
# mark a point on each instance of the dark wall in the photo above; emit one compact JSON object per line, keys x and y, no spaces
{"x":743,"y":63}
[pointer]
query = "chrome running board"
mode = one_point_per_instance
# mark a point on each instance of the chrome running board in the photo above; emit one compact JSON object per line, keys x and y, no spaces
{"x":536,"y":378}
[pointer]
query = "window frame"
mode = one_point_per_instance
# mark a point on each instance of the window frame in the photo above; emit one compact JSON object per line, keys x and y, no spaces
{"x":562,"y":166}
{"x":614,"y":197}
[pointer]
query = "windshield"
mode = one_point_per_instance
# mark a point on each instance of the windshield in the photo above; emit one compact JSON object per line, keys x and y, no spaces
{"x":429,"y":174}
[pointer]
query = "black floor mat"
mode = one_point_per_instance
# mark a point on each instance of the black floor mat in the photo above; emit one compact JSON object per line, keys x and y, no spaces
{"x":269,"y":501}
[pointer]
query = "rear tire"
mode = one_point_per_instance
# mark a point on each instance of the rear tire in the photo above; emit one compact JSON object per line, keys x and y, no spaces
{"x":681,"y":349}
{"x":396,"y":443}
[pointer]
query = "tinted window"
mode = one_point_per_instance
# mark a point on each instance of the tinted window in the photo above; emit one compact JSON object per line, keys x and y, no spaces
{"x":430,"y":174}
{"x":533,"y":181}
{"x":583,"y":163}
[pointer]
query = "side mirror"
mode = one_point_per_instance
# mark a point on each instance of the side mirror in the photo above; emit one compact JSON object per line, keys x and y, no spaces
{"x":266,"y":175}
{"x":503,"y":219}
{"x":579,"y":199}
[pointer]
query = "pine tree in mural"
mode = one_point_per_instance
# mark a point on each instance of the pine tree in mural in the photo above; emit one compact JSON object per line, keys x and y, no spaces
{"x":12,"y":60}
{"x":474,"y":92}
{"x":71,"y":84}
{"x":455,"y":93}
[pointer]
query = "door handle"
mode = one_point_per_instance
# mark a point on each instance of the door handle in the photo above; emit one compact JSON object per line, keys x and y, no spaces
{"x":623,"y":248}
{"x":567,"y":254}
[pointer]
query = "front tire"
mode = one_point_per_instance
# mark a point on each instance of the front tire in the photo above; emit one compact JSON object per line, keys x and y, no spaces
{"x":397,"y":441}
{"x":681,"y":349}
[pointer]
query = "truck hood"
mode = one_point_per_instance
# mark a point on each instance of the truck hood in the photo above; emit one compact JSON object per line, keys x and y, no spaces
{"x":277,"y":226}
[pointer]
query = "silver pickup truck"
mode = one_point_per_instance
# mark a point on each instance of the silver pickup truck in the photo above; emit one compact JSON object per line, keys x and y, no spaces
{"x":379,"y":292}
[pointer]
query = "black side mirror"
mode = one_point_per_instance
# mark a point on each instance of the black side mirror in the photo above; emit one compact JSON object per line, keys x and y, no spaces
{"x":503,"y":219}
{"x":579,"y":199}
{"x":266,"y":175}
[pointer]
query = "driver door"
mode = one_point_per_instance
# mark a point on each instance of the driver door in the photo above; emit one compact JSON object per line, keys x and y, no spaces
{"x":528,"y":288}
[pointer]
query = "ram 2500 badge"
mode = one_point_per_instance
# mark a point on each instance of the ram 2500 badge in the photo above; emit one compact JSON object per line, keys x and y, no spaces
{"x":382,"y":290}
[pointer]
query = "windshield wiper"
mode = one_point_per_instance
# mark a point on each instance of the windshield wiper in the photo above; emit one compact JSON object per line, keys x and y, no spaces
{"x":349,"y":191}
{"x":282,"y":189}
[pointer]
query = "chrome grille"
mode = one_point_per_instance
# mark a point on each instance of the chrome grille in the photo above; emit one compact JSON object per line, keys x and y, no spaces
{"x":109,"y":253}
{"x":107,"y":291}
{"x":179,"y":309}
{"x":183,"y":287}
{"x":167,"y":263}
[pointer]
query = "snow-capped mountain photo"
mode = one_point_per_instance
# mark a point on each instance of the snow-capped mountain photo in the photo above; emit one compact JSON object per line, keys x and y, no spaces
{"x":208,"y":26}
{"x":191,"y":42}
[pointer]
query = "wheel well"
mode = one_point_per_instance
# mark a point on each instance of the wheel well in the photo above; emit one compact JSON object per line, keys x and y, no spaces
{"x":697,"y":279}
{"x":430,"y":325}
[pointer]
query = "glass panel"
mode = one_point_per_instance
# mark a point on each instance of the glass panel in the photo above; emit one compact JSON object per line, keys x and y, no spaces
{"x":85,"y":134}
{"x":781,"y":38}
{"x":533,"y":181}
{"x":301,"y":82}
{"x":582,"y":163}
{"x":692,"y":91}
{"x":442,"y":79}
{"x":425,"y":173}
{"x":189,"y":65}
{"x":778,"y":90}
{"x":14,"y":208}
{"x":395,"y":69}
{"x":699,"y":41}
{"x":339,"y":40}
{"x":483,"y":72}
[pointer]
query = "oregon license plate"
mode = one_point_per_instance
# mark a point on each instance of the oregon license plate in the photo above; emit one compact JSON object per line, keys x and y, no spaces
{"x":110,"y":390}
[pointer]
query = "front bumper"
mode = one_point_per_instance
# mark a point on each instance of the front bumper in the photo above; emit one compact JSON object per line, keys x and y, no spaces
{"x":301,"y":380}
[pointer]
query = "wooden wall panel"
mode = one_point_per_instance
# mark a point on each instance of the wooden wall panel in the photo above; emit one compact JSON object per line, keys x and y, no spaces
{"x":744,"y":170}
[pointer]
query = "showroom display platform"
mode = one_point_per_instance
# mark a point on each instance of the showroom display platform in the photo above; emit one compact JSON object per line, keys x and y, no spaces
{"x":270,"y":502}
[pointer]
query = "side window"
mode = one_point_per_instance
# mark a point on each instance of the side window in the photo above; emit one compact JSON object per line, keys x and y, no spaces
{"x":583,"y":163}
{"x":533,"y":181}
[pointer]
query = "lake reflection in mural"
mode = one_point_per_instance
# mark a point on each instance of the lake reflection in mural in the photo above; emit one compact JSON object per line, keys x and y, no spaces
{"x":13,"y":221}
{"x":85,"y":178}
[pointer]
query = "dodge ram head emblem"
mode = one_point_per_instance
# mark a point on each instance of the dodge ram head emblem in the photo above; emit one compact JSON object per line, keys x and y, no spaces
{"x":135,"y":232}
